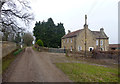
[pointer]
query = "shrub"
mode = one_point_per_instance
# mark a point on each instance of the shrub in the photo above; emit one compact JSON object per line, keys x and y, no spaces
{"x":39,"y":42}
{"x":17,"y":52}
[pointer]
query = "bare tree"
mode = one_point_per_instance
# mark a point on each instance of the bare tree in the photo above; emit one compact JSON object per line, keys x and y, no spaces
{"x":28,"y":39}
{"x":12,"y":12}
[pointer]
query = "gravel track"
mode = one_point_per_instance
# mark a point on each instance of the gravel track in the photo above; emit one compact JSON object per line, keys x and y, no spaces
{"x":33,"y":66}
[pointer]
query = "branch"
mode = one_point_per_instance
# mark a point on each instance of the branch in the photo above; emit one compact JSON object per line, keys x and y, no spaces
{"x":10,"y":11}
{"x":24,"y":4}
{"x":24,"y":16}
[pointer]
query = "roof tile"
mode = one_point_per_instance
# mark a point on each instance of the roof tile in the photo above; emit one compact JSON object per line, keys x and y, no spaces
{"x":97,"y":34}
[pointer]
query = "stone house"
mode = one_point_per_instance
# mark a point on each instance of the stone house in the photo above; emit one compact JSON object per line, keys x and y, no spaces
{"x":85,"y":39}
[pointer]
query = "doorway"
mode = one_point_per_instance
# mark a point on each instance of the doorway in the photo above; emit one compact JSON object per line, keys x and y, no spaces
{"x":90,"y":49}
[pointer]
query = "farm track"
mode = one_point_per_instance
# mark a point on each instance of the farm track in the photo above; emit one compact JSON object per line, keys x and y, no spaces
{"x":33,"y":66}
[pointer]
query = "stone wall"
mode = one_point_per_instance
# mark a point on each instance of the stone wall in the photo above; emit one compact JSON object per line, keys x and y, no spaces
{"x":8,"y":47}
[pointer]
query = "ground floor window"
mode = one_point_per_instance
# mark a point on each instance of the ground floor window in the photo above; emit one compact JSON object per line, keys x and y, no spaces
{"x":96,"y":42}
{"x":102,"y":49}
{"x":71,"y":48}
{"x":64,"y":49}
{"x":79,"y":48}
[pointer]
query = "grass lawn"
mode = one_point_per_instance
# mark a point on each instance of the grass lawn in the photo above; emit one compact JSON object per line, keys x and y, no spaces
{"x":80,"y":72}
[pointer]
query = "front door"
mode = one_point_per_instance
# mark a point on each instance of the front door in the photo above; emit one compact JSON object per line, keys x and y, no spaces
{"x":90,"y":49}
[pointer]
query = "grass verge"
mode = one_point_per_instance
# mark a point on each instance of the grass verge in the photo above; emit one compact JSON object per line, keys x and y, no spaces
{"x":34,"y":48}
{"x":79,"y":72}
{"x":17,"y":52}
{"x":6,"y":61}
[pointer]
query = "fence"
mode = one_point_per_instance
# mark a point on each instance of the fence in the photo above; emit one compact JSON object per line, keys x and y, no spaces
{"x":94,"y":54}
{"x":54,"y":50}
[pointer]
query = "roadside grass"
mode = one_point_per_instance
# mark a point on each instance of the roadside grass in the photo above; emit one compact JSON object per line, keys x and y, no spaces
{"x":34,"y":48}
{"x":17,"y":52}
{"x":6,"y":61}
{"x":79,"y":72}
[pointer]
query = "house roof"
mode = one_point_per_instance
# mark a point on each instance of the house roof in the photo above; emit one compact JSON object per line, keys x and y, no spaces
{"x":97,"y":34}
{"x":72,"y":34}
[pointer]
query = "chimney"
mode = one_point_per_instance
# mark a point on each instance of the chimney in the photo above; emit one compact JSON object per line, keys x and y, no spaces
{"x":85,"y":19}
{"x":85,"y":25}
{"x":101,"y":30}
{"x":69,"y":31}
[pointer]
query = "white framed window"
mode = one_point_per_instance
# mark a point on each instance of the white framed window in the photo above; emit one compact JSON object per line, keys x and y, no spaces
{"x":103,"y":49}
{"x":79,"y":48}
{"x":64,"y":41}
{"x":96,"y":42}
{"x":68,"y":40}
{"x":71,"y":48}
{"x":101,"y":42}
{"x":71,"y":40}
{"x":64,"y":47}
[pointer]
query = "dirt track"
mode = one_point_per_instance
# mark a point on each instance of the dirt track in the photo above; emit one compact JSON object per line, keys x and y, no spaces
{"x":35,"y":66}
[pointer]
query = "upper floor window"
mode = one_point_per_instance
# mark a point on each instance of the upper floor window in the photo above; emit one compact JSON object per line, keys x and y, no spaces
{"x":96,"y":42}
{"x":67,"y":40}
{"x":101,"y":42}
{"x":71,"y":40}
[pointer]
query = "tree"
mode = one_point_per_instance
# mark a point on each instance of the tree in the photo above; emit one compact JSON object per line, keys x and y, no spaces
{"x":28,"y":39}
{"x":18,"y":38}
{"x":12,"y":12}
{"x":49,"y":33}
{"x":39,"y":42}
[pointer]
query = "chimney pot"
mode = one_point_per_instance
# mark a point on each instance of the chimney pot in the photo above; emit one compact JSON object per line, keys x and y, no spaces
{"x":69,"y":31}
{"x":101,"y":30}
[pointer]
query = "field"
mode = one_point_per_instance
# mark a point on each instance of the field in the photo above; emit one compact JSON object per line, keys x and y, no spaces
{"x":83,"y":72}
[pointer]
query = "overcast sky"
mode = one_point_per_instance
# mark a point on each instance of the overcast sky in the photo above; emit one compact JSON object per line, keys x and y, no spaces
{"x":100,"y":13}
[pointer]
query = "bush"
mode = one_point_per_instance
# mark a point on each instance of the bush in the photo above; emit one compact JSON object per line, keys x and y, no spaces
{"x":39,"y":42}
{"x":17,"y":52}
